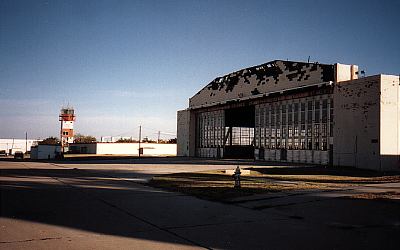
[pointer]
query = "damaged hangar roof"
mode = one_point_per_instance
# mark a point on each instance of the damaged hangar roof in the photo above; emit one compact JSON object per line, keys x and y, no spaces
{"x":269,"y":77}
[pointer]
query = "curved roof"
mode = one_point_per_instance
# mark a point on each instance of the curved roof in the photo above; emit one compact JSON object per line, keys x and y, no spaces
{"x":268,"y":77}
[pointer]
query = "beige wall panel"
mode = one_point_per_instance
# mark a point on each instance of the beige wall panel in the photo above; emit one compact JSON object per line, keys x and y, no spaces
{"x":356,"y":125}
{"x":346,"y":72}
{"x":390,"y":123}
{"x":183,"y":118}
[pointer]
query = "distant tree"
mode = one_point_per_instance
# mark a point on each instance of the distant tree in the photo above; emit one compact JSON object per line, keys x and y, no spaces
{"x":50,"y":141}
{"x":126,"y":140}
{"x":162,"y":141}
{"x":146,"y":139}
{"x":79,"y":138}
{"x":172,"y":141}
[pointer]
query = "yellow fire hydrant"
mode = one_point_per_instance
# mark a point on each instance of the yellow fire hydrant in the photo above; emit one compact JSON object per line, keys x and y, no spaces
{"x":236,"y":177}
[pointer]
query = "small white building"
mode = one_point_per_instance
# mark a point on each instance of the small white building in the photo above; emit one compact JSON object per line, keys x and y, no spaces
{"x":43,"y":152}
{"x":104,"y":148}
{"x":13,"y":145}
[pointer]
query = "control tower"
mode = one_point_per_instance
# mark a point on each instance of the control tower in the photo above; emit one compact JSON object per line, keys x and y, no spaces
{"x":67,"y":118}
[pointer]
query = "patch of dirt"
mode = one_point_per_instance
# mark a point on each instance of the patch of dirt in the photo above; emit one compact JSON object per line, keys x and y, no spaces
{"x":326,"y":174}
{"x":378,"y":196}
{"x":216,"y":185}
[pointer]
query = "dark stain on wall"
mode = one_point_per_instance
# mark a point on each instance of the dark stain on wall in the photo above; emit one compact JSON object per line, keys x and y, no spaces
{"x":328,"y":72}
{"x":231,"y":82}
{"x":255,"y":92}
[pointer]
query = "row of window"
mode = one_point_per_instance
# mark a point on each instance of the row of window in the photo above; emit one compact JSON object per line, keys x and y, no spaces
{"x":296,"y":131}
{"x":300,"y":125}
{"x":294,"y":113}
{"x":302,"y":143}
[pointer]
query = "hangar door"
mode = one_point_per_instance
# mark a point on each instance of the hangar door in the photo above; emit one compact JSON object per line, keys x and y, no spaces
{"x":239,"y":132}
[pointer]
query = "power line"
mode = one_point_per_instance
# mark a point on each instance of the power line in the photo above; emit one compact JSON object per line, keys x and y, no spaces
{"x":148,"y":128}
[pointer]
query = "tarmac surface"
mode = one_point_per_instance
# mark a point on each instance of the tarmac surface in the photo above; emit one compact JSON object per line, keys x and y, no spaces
{"x":102,"y":204}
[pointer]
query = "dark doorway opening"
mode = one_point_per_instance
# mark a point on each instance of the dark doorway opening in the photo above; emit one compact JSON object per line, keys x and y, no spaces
{"x":239,"y":132}
{"x":283,"y":154}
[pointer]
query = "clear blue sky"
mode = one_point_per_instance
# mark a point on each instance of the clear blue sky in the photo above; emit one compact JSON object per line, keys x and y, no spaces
{"x":125,"y":63}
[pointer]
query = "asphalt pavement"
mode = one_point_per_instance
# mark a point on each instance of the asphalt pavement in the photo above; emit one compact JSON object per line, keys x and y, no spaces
{"x":104,"y":205}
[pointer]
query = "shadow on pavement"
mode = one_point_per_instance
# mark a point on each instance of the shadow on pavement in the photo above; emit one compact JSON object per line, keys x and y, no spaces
{"x":157,"y":160}
{"x":91,"y":200}
{"x":73,"y":198}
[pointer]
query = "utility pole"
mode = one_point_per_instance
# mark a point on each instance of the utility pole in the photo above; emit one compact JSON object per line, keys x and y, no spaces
{"x":140,"y":137}
{"x":26,"y":142}
{"x":158,"y":138}
{"x":61,"y":137}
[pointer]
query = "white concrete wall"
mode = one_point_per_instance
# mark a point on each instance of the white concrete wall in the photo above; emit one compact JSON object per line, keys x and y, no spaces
{"x":367,"y":123}
{"x":183,"y":130}
{"x":357,"y":123}
{"x":155,"y":149}
{"x":113,"y":148}
{"x":345,"y":72}
{"x":16,"y":144}
{"x":149,"y":149}
{"x":186,"y":133}
{"x":390,"y":123}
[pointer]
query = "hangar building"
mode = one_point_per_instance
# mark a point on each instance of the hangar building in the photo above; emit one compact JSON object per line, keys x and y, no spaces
{"x":296,"y":112}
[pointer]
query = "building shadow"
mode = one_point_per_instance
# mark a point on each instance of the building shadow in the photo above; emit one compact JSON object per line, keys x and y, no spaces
{"x":161,"y":160}
{"x":77,"y":199}
{"x":90,"y":200}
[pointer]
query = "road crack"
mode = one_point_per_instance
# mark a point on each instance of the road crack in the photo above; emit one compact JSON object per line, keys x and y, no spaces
{"x":30,"y":240}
